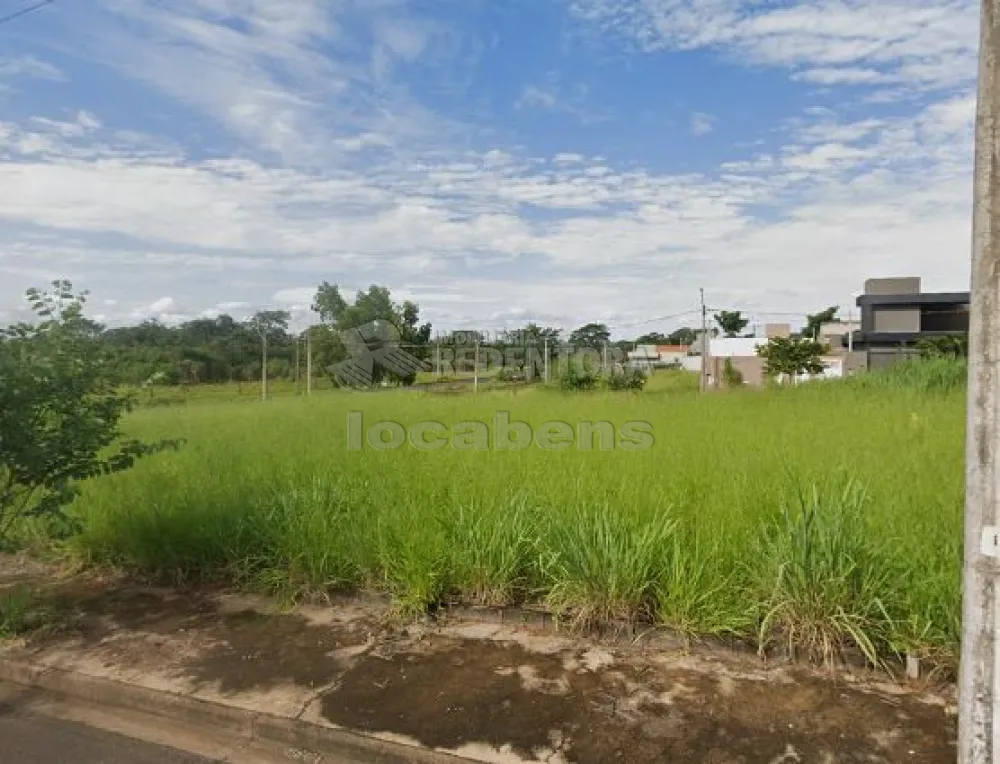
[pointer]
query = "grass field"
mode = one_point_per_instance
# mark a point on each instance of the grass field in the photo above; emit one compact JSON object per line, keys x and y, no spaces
{"x":819,"y":516}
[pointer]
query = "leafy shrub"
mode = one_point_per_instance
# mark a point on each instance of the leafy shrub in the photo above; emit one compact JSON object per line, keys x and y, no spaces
{"x":629,"y":379}
{"x":576,"y":379}
{"x":509,"y":375}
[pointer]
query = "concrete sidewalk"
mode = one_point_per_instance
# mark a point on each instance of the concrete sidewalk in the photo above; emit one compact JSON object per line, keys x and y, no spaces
{"x":343,"y":683}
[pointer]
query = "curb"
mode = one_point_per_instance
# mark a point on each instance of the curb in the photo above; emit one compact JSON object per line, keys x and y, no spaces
{"x":333,"y":745}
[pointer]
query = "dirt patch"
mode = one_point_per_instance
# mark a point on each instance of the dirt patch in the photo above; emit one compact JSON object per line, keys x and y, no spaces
{"x":451,"y":693}
{"x":494,"y":690}
{"x":235,"y":651}
{"x":255,"y":651}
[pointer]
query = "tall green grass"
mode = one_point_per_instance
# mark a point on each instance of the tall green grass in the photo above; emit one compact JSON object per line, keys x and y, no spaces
{"x":823,"y":516}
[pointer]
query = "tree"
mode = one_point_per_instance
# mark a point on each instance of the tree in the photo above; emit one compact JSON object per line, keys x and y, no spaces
{"x":683,"y":336}
{"x":653,"y":338}
{"x":792,"y":356}
{"x":816,"y":321}
{"x":369,"y":306}
{"x":590,"y":336}
{"x":732,"y":322}
{"x":60,"y":408}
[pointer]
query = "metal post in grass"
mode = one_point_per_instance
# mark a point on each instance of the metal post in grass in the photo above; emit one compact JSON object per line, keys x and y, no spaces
{"x":979,"y":675}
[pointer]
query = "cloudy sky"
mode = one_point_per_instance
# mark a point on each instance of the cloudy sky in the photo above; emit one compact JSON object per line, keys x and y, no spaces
{"x":496,"y":161}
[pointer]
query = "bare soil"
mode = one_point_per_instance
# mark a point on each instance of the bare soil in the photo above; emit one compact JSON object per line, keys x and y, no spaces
{"x":490,"y":691}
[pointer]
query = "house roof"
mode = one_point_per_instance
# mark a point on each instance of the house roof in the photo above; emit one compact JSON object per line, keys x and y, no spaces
{"x":672,"y":348}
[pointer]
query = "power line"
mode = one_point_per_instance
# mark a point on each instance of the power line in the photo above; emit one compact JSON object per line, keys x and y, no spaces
{"x":657,"y":318}
{"x":25,"y":11}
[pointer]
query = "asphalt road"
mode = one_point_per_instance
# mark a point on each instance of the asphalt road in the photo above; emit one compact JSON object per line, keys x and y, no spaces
{"x":29,"y":739}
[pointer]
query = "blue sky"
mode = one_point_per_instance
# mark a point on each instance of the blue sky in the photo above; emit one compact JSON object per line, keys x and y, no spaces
{"x":555,"y":160}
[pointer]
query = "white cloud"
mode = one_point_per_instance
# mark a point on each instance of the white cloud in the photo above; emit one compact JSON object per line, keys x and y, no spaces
{"x":552,"y":94}
{"x":340,"y":175}
{"x":29,"y":66}
{"x":163,"y":305}
{"x":920,"y":44}
{"x":702,"y":124}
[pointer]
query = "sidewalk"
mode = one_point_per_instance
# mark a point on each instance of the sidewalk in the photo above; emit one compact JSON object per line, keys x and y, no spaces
{"x":478,"y":689}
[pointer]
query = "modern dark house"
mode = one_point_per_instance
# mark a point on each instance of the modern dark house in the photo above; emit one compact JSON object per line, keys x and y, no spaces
{"x":896,"y":315}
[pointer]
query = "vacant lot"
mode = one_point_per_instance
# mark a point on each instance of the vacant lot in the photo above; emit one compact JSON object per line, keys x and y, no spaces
{"x":818,"y":517}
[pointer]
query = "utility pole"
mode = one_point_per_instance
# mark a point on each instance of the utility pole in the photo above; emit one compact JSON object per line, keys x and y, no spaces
{"x":309,"y":361}
{"x":604,"y":362}
{"x":263,"y":364}
{"x":545,"y":357}
{"x":704,"y":344}
{"x":979,"y":674}
{"x":475,"y":368}
{"x":438,"y":363}
{"x":298,"y":341}
{"x":850,"y":331}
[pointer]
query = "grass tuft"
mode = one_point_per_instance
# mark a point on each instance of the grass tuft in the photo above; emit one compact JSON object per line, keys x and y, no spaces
{"x":822,"y":578}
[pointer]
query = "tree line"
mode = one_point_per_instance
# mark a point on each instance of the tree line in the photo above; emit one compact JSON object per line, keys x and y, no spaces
{"x":225,"y":349}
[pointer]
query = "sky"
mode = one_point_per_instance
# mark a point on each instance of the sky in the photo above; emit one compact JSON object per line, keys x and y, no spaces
{"x":495,"y":161}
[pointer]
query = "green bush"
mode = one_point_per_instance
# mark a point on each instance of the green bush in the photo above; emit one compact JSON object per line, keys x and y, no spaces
{"x":576,"y":379}
{"x":628,"y":379}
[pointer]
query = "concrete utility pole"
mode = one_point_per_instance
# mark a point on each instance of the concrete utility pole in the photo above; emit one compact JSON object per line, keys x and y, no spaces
{"x":979,"y":676}
{"x":704,"y":343}
{"x":604,"y":361}
{"x":263,"y":365}
{"x":545,"y":357}
{"x":298,"y":342}
{"x":309,"y":361}
{"x":475,"y":368}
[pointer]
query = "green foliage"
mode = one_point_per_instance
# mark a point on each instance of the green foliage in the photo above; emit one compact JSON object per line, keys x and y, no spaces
{"x":296,"y":512}
{"x":375,"y":304}
{"x":731,"y":322}
{"x":625,"y":379}
{"x":17,"y":608}
{"x":816,"y":320}
{"x":602,"y":565}
{"x":952,"y":346}
{"x":59,"y":409}
{"x":653,"y":338}
{"x":579,"y":379}
{"x":940,"y":374}
{"x":593,"y":336}
{"x":792,"y":356}
{"x":823,"y":578}
{"x":495,"y":553}
{"x":683,"y":336}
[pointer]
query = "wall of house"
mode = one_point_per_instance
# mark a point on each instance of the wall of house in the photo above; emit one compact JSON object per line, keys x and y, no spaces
{"x":886,"y":319}
{"x":948,"y":319}
{"x":751,"y":367}
{"x":904,"y":285}
{"x":732,"y":347}
{"x":881,"y":358}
